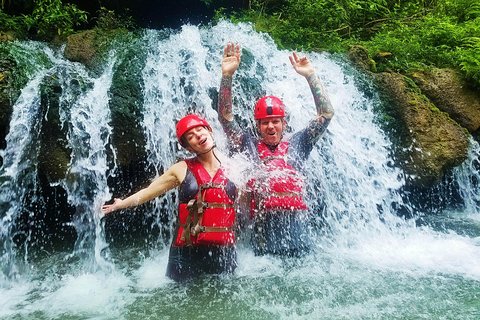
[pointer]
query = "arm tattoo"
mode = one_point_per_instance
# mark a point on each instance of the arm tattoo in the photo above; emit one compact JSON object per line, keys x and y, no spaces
{"x":225,"y":100}
{"x":322,"y":102}
{"x":225,"y":113}
{"x":316,"y":128}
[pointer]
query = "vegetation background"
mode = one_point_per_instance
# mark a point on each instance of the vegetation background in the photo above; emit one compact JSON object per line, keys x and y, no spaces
{"x":400,"y":35}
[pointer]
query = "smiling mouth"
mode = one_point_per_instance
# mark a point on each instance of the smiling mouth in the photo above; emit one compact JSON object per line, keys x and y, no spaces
{"x":203,"y":141}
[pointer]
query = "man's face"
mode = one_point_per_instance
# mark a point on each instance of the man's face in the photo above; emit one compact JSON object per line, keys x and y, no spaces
{"x":271,"y":130}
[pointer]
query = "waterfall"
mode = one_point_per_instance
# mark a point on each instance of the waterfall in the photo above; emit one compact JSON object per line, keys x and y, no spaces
{"x":368,"y":261}
{"x":175,"y":82}
{"x":17,"y":174}
{"x":18,"y":188}
{"x":87,"y":115}
{"x":468,"y":178}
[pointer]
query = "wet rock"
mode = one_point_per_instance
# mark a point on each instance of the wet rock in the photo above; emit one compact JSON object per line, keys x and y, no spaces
{"x":359,"y":56}
{"x":7,"y":95}
{"x":452,"y":94}
{"x":54,"y":155}
{"x":7,"y":36}
{"x":126,"y":105}
{"x":431,"y":142}
{"x":428,"y":135}
{"x":84,"y":47}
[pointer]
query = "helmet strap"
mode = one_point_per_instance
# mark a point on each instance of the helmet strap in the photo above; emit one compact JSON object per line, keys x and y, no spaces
{"x":200,"y":153}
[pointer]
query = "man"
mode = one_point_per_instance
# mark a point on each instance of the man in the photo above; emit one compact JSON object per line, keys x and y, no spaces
{"x":278,"y":208}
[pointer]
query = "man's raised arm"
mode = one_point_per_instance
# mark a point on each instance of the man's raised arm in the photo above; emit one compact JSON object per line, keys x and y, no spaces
{"x":230,"y":63}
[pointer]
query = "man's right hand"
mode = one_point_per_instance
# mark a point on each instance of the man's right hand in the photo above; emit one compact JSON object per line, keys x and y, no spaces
{"x":231,"y":59}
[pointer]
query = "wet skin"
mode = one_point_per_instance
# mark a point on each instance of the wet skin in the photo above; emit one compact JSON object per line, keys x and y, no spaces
{"x":271,"y":130}
{"x":199,"y":140}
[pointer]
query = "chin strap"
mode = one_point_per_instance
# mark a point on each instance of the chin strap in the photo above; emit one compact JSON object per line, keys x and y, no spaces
{"x":200,"y":153}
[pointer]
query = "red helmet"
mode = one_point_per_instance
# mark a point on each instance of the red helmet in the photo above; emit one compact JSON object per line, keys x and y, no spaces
{"x":188,"y":122}
{"x":269,"y":107}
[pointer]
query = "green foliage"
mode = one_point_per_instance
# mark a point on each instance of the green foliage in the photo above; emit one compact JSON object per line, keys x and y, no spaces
{"x":462,"y":10}
{"x":109,"y":19}
{"x":415,"y":33}
{"x":469,"y":55}
{"x":433,"y":41}
{"x":52,"y":17}
{"x":297,"y":25}
{"x":208,"y":2}
{"x":12,"y":23}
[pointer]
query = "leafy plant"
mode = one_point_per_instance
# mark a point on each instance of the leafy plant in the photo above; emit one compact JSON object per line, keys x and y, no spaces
{"x":12,"y":23}
{"x":109,"y":19}
{"x":52,"y":17}
{"x":414,"y":33}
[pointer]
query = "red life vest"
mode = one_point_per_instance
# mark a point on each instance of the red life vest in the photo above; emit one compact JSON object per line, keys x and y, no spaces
{"x":280,"y":186}
{"x":207,"y":219}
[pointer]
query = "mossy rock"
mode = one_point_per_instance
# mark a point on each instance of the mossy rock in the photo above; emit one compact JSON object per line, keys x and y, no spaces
{"x":83,"y":47}
{"x":7,"y":96}
{"x":452,"y":94}
{"x":430,"y":142}
{"x":7,"y":36}
{"x":358,"y":55}
{"x":126,"y":105}
{"x":91,"y":46}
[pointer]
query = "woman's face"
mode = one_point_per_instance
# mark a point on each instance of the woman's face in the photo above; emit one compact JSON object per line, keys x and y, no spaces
{"x":199,"y":139}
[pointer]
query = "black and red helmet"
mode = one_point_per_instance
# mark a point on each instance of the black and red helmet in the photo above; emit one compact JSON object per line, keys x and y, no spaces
{"x":269,"y":107}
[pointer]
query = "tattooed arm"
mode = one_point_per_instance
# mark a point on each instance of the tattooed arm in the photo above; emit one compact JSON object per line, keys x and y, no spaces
{"x":303,"y":67}
{"x":230,"y":63}
{"x":322,"y":102}
{"x":305,"y":140}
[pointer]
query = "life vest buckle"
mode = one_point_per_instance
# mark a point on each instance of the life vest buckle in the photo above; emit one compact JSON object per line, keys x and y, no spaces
{"x":197,"y":229}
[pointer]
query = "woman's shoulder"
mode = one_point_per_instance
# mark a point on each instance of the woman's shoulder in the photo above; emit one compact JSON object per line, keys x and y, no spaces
{"x":179,"y":170}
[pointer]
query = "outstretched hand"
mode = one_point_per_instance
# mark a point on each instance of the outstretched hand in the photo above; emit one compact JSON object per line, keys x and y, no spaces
{"x":301,"y":65}
{"x":109,"y":208}
{"x":231,"y":59}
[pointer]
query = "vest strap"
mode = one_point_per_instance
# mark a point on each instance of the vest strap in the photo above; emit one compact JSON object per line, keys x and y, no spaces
{"x":217,"y":205}
{"x":215,"y":229}
{"x":196,"y":207}
{"x":285,"y":194}
{"x":269,"y":158}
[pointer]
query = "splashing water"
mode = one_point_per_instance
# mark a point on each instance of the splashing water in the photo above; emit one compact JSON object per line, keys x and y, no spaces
{"x":368,"y":263}
{"x":87,"y":116}
{"x":17,"y":173}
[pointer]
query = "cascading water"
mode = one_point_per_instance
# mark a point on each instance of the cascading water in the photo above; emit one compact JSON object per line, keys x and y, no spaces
{"x":368,"y":263}
{"x":18,"y":171}
{"x":174,"y":81}
{"x":87,"y":115}
{"x":468,"y":178}
{"x":18,"y":177}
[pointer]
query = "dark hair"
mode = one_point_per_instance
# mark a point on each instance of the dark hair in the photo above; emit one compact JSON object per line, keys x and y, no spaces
{"x":183,"y":141}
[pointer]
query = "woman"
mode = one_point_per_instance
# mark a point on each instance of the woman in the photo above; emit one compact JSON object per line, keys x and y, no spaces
{"x":204,"y":240}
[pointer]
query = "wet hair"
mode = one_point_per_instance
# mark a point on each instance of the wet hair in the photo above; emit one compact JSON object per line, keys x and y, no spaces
{"x":183,"y":141}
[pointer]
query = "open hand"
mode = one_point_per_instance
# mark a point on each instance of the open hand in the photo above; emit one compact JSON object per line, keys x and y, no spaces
{"x":109,"y":208}
{"x":301,"y":65}
{"x":231,"y":59}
